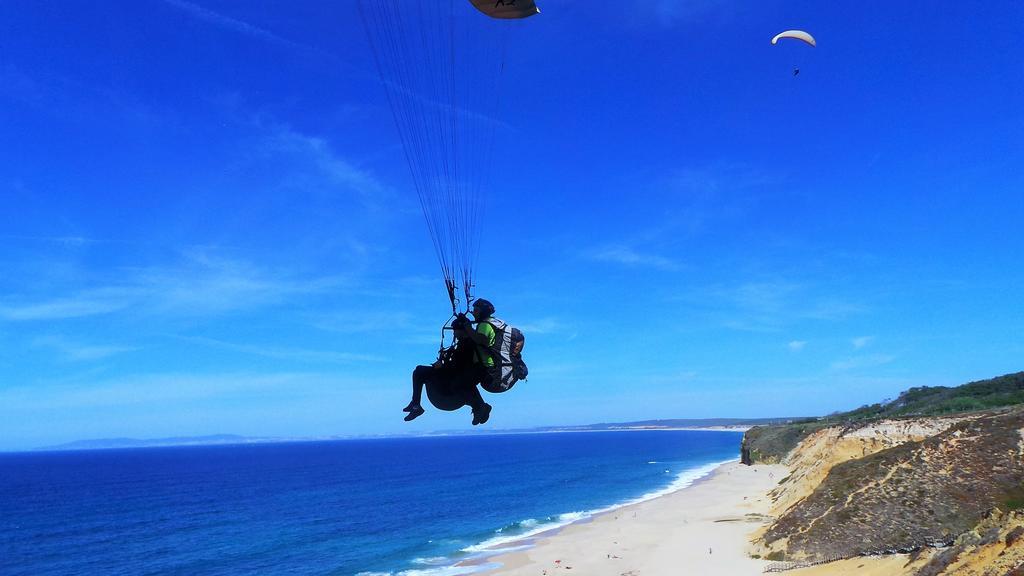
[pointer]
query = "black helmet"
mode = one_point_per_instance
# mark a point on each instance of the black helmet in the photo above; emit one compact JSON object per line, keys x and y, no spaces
{"x":484,"y":306}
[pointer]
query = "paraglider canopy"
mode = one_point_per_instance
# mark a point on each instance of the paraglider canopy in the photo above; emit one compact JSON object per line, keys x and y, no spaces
{"x":506,"y":8}
{"x":795,"y":34}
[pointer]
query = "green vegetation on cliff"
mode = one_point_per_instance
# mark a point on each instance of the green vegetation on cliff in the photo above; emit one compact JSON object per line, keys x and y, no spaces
{"x":770,"y":444}
{"x":998,"y":392}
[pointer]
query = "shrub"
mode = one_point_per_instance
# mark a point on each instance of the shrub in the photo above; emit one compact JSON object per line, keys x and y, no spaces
{"x":1014,"y":535}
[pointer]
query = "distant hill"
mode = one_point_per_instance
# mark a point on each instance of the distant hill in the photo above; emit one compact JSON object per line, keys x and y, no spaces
{"x":113,"y":443}
{"x":227,"y":439}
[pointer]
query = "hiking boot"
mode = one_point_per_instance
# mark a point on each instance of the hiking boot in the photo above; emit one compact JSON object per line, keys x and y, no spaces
{"x":482,"y":414}
{"x":415,"y":411}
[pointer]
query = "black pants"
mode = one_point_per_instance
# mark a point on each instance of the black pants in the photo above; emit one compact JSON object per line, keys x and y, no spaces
{"x":454,"y":381}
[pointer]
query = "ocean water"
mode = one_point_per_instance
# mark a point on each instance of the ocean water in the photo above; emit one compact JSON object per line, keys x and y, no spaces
{"x":409,"y":506}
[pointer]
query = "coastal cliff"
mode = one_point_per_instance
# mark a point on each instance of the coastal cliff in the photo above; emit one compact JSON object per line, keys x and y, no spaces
{"x":945,"y":491}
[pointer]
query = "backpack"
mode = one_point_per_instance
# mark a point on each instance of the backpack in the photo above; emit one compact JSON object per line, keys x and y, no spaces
{"x":507,"y":352}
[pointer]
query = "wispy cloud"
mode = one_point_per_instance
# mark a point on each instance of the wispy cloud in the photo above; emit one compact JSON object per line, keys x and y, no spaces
{"x":208,"y":283}
{"x":862,"y":341}
{"x":289,"y":353}
{"x":832,"y":308}
{"x":797,"y":345}
{"x":201,"y":284}
{"x":707,"y":198}
{"x":338,"y":172}
{"x":230,"y":23}
{"x":87,"y":303}
{"x":150,"y":405}
{"x":759,"y":306}
{"x":77,"y":352}
{"x":629,"y":256}
{"x":859,"y":362}
{"x":67,"y":241}
{"x":363,"y":322}
{"x":769,"y":305}
{"x":156,"y":389}
{"x":673,"y":377}
{"x":542,"y":326}
{"x":80,"y":100}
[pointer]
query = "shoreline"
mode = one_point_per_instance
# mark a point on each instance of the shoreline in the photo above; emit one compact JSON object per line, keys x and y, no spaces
{"x":496,"y":546}
{"x":703,"y":525}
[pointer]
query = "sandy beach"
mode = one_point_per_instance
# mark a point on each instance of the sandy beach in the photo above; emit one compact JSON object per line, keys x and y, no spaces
{"x":700,"y":529}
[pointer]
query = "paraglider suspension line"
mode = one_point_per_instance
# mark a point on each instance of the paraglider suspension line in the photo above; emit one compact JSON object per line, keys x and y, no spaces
{"x":450,"y":284}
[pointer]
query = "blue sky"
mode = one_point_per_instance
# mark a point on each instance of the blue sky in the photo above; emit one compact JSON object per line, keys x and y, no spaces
{"x":209,"y":227}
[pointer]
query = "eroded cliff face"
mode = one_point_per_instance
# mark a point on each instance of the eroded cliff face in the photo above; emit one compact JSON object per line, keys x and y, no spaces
{"x":814,"y":458}
{"x":942,"y":489}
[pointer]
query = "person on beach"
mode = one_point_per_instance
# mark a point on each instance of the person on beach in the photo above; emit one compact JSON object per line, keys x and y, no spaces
{"x":459,"y":370}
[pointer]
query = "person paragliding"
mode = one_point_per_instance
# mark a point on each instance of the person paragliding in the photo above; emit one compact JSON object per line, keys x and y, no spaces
{"x":452,"y":380}
{"x":490,"y":356}
{"x":795,"y":35}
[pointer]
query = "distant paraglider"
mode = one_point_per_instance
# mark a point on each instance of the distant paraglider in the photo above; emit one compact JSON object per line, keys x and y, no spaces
{"x":795,"y":35}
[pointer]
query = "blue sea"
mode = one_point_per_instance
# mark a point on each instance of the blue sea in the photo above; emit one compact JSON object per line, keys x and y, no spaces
{"x":408,"y":506}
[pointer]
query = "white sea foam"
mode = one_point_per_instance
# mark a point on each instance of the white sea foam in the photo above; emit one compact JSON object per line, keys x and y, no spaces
{"x":684,"y":479}
{"x":572,"y":516}
{"x":448,"y":570}
{"x":500,"y":543}
{"x":531,"y":527}
{"x":431,"y":561}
